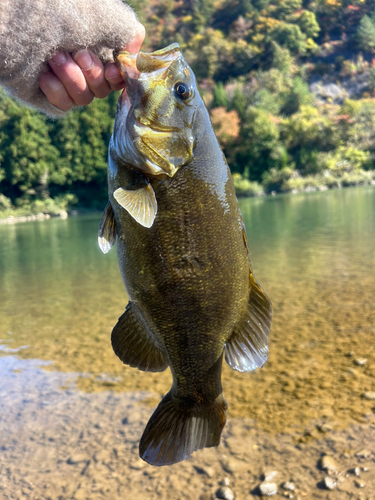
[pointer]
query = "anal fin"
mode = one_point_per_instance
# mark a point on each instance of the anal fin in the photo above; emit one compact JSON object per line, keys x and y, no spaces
{"x":247,"y":348}
{"x":107,"y":229}
{"x":140,"y":203}
{"x":135,"y":344}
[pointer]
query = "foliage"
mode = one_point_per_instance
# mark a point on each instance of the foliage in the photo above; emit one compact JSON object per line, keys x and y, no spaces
{"x":244,"y":187}
{"x":226,"y":125}
{"x":253,"y":60}
{"x":366,"y":34}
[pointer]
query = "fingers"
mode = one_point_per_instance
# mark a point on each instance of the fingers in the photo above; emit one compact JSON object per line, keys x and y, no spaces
{"x":77,"y":78}
{"x":72,"y":77}
{"x":92,"y":70}
{"x":55,"y":91}
{"x":113,"y":77}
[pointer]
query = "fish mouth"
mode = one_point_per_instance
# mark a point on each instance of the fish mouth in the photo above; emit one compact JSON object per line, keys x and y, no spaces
{"x":144,"y":124}
{"x":131,"y":65}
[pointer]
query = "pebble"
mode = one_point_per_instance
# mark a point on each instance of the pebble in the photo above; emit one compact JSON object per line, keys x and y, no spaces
{"x":354,"y":470}
{"x":359,"y":484}
{"x":327,"y":463}
{"x":325,"y":428}
{"x":363,"y":454}
{"x":267,"y":489}
{"x":77,"y":458}
{"x":369,"y":395}
{"x":209,"y":471}
{"x":288,"y":485}
{"x":330,"y":483}
{"x":360,"y":361}
{"x":228,"y":465}
{"x":225,"y":493}
{"x":138,"y":464}
{"x":225,"y":482}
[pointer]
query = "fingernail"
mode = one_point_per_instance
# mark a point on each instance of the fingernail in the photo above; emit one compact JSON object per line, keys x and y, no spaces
{"x":83,"y":59}
{"x":59,"y":58}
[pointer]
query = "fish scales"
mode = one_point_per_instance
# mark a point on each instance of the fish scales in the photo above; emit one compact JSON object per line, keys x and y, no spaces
{"x":182,"y":253}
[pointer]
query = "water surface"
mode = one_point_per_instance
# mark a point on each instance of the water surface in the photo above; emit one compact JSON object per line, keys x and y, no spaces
{"x":314,"y":255}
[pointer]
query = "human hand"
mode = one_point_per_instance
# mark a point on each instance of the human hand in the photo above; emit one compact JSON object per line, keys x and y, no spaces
{"x":75,"y":79}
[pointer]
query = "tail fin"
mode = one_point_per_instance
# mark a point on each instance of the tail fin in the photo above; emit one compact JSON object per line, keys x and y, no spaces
{"x":176,"y":430}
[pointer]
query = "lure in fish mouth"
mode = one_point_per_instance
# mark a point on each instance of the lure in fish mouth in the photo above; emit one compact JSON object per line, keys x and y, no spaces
{"x":182,"y":252}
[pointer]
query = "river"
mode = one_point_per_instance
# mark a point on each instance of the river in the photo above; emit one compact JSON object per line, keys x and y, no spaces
{"x":72,"y":414}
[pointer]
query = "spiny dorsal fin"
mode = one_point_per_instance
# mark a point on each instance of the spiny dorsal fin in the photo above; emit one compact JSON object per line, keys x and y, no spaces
{"x":107,"y":229}
{"x":247,"y":348}
{"x":140,"y":203}
{"x":135,"y":344}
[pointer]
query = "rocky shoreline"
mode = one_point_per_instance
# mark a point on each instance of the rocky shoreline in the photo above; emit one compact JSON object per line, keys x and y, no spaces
{"x":62,"y":214}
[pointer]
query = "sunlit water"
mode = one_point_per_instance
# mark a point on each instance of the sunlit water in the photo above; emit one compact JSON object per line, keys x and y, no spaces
{"x":314,"y":255}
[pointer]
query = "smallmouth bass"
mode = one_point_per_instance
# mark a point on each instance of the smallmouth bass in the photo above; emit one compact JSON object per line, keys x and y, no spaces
{"x":182,"y":252}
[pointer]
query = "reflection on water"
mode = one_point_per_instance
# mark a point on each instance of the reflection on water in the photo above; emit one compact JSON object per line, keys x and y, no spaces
{"x":313,"y":254}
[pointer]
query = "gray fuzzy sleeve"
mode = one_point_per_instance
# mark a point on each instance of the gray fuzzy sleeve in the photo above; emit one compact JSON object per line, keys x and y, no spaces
{"x":31,"y":31}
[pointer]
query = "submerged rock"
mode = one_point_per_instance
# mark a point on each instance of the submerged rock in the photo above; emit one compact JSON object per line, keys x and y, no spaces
{"x":288,"y":485}
{"x":225,"y":493}
{"x":369,"y":395}
{"x":330,"y":483}
{"x":267,"y":489}
{"x":327,"y":463}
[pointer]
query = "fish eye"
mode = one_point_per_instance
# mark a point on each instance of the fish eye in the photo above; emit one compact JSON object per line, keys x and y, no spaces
{"x":183,"y":90}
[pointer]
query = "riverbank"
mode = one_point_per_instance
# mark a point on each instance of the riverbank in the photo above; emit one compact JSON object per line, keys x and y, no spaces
{"x":11,"y":219}
{"x":291,"y":181}
{"x":279,"y":181}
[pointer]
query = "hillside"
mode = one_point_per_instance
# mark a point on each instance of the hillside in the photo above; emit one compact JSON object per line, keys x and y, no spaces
{"x":289,"y":85}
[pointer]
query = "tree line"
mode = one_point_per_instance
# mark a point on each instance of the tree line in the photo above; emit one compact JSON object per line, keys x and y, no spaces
{"x":254,"y":60}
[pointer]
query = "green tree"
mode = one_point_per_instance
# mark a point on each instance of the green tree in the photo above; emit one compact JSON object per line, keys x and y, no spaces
{"x":220,"y":96}
{"x":239,"y":102}
{"x":27,"y":155}
{"x":308,"y":24}
{"x":281,"y":58}
{"x":297,"y":96}
{"x":287,"y":7}
{"x":259,"y":148}
{"x":291,"y":37}
{"x":366,"y":34}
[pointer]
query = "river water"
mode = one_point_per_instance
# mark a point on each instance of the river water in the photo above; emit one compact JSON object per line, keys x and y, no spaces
{"x":72,"y":414}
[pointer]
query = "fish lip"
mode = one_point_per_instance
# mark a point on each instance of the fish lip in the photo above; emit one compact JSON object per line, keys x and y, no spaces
{"x":161,"y":131}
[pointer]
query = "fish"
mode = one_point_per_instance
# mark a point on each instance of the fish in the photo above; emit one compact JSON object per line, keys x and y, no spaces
{"x":182,"y":251}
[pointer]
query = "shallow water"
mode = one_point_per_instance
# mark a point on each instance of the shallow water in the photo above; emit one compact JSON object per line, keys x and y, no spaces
{"x":314,"y":255}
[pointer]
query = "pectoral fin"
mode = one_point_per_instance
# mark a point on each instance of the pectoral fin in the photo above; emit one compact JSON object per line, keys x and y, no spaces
{"x":140,"y":203}
{"x":247,"y":348}
{"x":135,"y":344}
{"x":107,"y":229}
